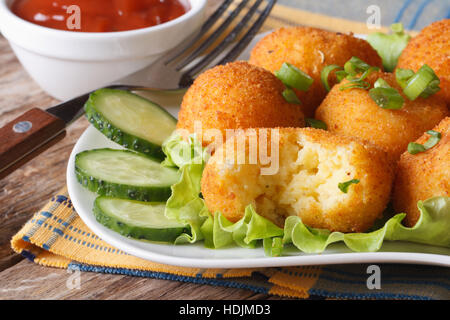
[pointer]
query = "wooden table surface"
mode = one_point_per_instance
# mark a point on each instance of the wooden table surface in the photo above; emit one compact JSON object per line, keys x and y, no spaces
{"x":26,"y":190}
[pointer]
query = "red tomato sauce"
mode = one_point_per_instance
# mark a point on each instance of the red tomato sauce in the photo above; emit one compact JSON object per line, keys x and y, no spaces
{"x":99,"y":15}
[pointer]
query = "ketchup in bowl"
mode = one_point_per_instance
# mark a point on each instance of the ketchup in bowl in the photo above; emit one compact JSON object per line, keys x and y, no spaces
{"x":99,"y":15}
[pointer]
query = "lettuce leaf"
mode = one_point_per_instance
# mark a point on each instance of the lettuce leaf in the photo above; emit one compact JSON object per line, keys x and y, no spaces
{"x":389,"y":46}
{"x":186,"y":205}
{"x":432,"y":228}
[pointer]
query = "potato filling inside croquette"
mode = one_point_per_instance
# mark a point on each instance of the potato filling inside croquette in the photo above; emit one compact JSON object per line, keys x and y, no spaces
{"x":307,"y":180}
{"x":312,"y":165}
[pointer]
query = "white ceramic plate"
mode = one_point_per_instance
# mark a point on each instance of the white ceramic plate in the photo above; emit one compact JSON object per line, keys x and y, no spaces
{"x":198,"y":256}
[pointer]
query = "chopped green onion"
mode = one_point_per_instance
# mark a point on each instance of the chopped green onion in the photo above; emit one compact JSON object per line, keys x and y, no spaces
{"x":385,"y":96}
{"x":402,"y":76}
{"x":363,"y":76}
{"x":340,"y":75}
{"x":343,"y":186}
{"x":359,"y":82}
{"x":355,"y":66}
{"x":324,"y":75}
{"x":293,"y":77}
{"x":381,"y":83}
{"x":290,"y":96}
{"x":424,"y":82}
{"x":314,"y":123}
{"x":414,"y":148}
{"x":432,"y":88}
{"x":359,"y":85}
{"x":433,"y":140}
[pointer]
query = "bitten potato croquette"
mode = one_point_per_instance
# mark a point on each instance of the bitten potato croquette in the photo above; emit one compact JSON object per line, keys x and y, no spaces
{"x":311,"y":164}
{"x":352,"y":112}
{"x":310,"y":50}
{"x":423,"y":175}
{"x":432,"y":47}
{"x":236,"y":96}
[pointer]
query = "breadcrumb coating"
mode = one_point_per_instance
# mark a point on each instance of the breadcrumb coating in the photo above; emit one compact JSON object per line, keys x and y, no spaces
{"x":352,"y":112}
{"x":432,"y":47}
{"x":237,"y":95}
{"x":423,"y":175}
{"x":310,"y":50}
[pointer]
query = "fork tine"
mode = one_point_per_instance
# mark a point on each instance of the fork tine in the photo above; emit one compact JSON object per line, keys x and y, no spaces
{"x":204,"y":28}
{"x":238,"y":48}
{"x":242,"y":44}
{"x":231,"y":36}
{"x":213,"y":36}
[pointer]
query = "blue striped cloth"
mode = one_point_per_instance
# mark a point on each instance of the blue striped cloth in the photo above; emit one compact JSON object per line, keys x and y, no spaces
{"x":414,"y":14}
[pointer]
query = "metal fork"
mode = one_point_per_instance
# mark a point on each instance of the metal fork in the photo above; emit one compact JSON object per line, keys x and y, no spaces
{"x":177,"y":72}
{"x":36,"y":130}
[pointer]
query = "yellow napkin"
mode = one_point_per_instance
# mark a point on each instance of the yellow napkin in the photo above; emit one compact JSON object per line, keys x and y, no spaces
{"x":57,"y":237}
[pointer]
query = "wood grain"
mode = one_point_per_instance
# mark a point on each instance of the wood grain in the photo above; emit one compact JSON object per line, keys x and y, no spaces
{"x":29,"y":281}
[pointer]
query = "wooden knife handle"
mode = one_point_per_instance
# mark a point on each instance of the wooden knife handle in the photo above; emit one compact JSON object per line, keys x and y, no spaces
{"x":26,"y":137}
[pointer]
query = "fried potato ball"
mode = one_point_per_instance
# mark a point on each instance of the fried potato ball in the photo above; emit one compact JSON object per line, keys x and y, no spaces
{"x":423,"y":175}
{"x":432,"y":47}
{"x":310,"y":50}
{"x":311,"y":164}
{"x":352,"y":112}
{"x":237,"y":95}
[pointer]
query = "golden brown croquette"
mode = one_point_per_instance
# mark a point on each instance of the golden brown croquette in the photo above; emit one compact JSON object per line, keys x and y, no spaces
{"x":310,"y":50}
{"x":312,"y":163}
{"x":432,"y":47}
{"x":237,"y":95}
{"x":423,"y":175}
{"x":352,"y":112}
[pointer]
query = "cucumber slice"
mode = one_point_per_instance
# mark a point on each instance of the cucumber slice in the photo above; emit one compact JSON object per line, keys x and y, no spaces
{"x":139,"y":220}
{"x":124,"y":174}
{"x":130,"y":120}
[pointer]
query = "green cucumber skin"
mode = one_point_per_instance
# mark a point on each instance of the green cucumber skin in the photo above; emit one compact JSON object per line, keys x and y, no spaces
{"x":122,"y":191}
{"x":126,"y":140}
{"x":161,"y":235}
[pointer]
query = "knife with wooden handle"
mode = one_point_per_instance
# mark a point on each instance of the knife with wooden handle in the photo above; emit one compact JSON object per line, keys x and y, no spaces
{"x":35,"y":131}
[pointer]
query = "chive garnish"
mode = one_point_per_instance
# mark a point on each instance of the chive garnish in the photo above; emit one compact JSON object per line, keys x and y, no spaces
{"x":358,"y":65}
{"x":290,"y":96}
{"x":343,"y":186}
{"x":355,"y":66}
{"x":435,"y":137}
{"x":385,"y":96}
{"x":324,"y":75}
{"x":340,"y":75}
{"x":423,"y":83}
{"x":402,"y":76}
{"x":314,"y":123}
{"x":293,"y":77}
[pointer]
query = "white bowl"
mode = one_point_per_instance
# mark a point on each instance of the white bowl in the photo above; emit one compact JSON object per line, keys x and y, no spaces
{"x":66,"y":64}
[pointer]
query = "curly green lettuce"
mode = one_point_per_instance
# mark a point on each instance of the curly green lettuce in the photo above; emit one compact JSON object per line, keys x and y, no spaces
{"x":389,"y":46}
{"x":252,"y":230}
